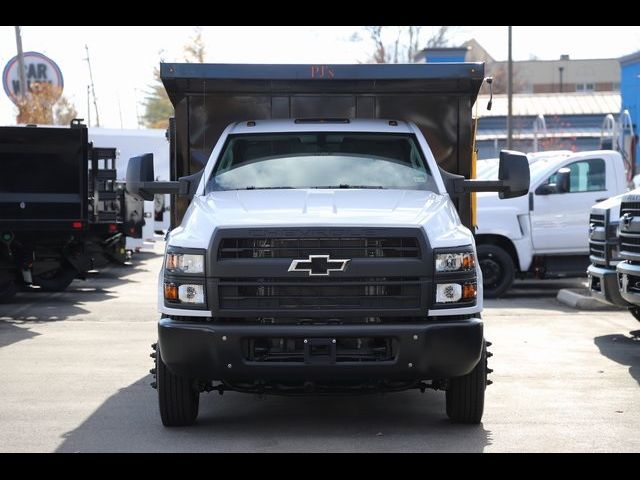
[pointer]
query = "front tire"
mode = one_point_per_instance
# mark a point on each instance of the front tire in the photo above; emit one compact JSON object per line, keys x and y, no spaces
{"x":465,"y":395}
{"x":178,"y":399}
{"x":498,"y":270}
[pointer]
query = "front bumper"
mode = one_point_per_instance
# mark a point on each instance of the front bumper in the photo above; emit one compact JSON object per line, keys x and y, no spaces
{"x":603,"y":284}
{"x":629,"y":282}
{"x":210,"y":351}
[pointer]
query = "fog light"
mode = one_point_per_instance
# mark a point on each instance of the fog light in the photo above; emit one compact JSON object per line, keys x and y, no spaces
{"x":448,"y":292}
{"x":171,"y":292}
{"x":191,"y":293}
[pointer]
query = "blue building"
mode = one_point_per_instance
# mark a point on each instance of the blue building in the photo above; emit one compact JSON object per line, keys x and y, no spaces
{"x":630,"y":91}
{"x":441,"y":55}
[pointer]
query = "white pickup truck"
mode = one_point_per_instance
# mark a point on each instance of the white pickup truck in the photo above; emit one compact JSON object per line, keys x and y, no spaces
{"x":544,"y":234}
{"x":321,"y":241}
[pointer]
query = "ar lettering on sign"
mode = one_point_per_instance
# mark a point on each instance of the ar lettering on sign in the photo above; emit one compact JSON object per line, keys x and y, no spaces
{"x":322,"y":71}
{"x":34,"y":72}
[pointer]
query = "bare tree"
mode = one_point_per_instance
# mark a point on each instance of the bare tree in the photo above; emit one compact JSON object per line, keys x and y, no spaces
{"x":407,"y":42}
{"x":194,"y":51}
{"x":379,"y":50}
{"x":158,"y":107}
{"x":440,"y":39}
{"x":498,"y":70}
{"x":64,"y":111}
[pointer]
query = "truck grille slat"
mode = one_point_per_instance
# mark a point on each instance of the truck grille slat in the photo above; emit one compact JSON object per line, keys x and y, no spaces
{"x":597,"y":249}
{"x":392,"y":247}
{"x":270,"y":294}
{"x":633,"y":208}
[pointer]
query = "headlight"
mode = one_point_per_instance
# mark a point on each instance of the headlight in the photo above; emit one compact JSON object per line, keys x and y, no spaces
{"x":184,"y":263}
{"x":455,"y":262}
{"x":455,"y":281}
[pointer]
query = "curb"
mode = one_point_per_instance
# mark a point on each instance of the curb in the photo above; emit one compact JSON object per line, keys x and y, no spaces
{"x":576,"y":300}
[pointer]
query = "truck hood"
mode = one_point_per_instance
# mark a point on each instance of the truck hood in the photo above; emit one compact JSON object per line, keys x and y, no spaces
{"x":283,"y":208}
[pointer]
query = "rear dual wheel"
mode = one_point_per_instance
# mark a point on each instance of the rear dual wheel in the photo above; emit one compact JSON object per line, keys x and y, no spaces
{"x":56,"y":280}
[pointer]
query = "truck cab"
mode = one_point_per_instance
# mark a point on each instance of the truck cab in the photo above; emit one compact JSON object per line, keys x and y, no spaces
{"x":545,"y":234}
{"x":320,"y":246}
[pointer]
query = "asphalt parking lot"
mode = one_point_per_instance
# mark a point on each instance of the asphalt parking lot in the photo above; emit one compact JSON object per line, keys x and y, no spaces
{"x":74,"y":378}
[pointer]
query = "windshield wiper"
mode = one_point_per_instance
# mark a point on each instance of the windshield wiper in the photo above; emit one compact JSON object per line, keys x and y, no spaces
{"x":344,"y":185}
{"x":251,"y":187}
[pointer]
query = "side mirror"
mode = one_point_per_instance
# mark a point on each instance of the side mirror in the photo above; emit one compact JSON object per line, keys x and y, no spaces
{"x":546,"y":189}
{"x":139,"y":173}
{"x":140,"y":182}
{"x":563,"y":177}
{"x":514,"y":174}
{"x":513,"y":178}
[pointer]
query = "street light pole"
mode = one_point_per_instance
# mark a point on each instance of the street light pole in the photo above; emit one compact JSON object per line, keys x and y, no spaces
{"x":510,"y":95}
{"x":22,"y":79}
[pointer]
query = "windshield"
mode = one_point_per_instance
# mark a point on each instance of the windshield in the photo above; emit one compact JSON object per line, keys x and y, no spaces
{"x":321,"y":160}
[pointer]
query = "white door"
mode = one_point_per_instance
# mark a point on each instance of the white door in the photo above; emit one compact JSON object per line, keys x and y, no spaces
{"x":560,"y":221}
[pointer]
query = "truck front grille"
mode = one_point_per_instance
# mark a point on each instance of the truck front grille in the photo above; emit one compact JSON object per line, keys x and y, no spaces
{"x":632,"y":208}
{"x":278,"y":294}
{"x":597,"y":248}
{"x":391,"y":247}
{"x":629,"y":243}
{"x":597,"y":220}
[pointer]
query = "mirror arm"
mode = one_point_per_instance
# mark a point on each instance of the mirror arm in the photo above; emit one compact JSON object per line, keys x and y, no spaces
{"x":172,"y":188}
{"x":465,"y":186}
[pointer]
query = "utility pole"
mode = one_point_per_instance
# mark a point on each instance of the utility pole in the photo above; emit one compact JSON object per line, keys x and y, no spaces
{"x":93,"y":88}
{"x":23,"y":80}
{"x":510,"y":95}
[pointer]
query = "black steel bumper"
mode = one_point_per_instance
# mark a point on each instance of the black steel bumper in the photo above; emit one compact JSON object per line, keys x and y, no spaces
{"x":210,"y":351}
{"x":629,"y":282}
{"x":603,"y":284}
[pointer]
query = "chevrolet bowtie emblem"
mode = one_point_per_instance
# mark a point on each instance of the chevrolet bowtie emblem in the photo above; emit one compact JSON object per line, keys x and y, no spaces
{"x":319,"y":265}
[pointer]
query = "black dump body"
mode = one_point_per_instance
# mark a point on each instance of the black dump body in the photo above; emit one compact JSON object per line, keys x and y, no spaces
{"x":43,"y":178}
{"x":61,"y":213}
{"x":207,"y":97}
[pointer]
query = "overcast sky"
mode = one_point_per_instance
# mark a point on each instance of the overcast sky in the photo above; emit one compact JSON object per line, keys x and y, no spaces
{"x":123,"y":58}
